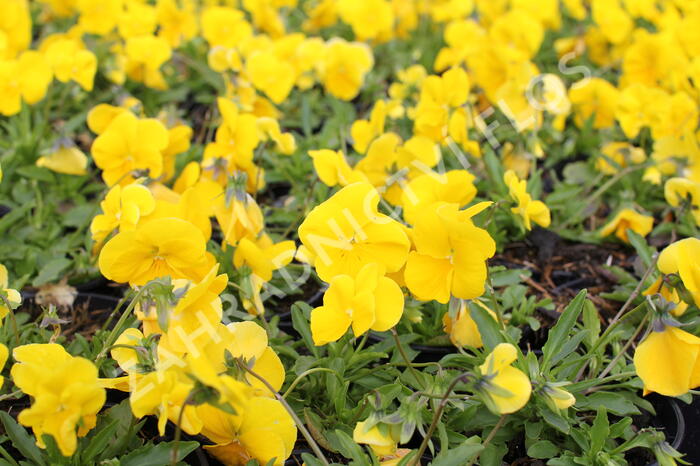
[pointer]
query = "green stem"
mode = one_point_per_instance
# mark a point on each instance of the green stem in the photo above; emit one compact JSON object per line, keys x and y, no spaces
{"x":301,"y":376}
{"x":178,"y":429}
{"x":309,"y":438}
{"x":408,"y":362}
{"x":624,"y":349}
{"x":490,"y":437}
{"x":436,"y":417}
{"x":496,"y":305}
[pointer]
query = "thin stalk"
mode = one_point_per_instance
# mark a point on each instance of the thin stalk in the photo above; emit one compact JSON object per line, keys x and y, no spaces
{"x":178,"y":429}
{"x":301,"y":376}
{"x":436,"y":417}
{"x":408,"y":362}
{"x":309,"y":438}
{"x":491,"y":435}
{"x":496,"y":305}
{"x":624,"y":349}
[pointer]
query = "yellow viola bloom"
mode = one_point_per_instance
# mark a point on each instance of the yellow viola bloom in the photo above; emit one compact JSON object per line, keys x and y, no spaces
{"x":270,"y":129}
{"x":500,"y":377}
{"x":367,"y":301}
{"x":558,"y":397}
{"x":66,"y":159}
{"x":455,"y":186}
{"x":130,"y":144}
{"x":166,"y":246}
{"x":621,"y":154}
{"x":144,"y":57}
{"x":25,"y":79}
{"x":364,"y":131}
{"x":355,"y":13}
{"x":72,"y":62}
{"x":15,"y":28}
{"x":462,"y":329}
{"x":683,"y":258}
{"x":4,"y":354}
{"x":13,"y":297}
{"x":263,"y":256}
{"x":99,"y":17}
{"x":669,"y":293}
{"x":451,"y":253}
{"x":628,"y":219}
{"x":668,"y":361}
{"x":380,"y":437}
{"x":529,"y":210}
{"x":240,"y":218}
{"x":177,"y":24}
{"x":594,"y":97}
{"x":264,"y":431}
{"x":679,"y":189}
{"x":66,"y":394}
{"x":347,"y":231}
{"x":271,"y":74}
{"x":344,"y":66}
{"x":137,"y":19}
{"x":225,"y":26}
{"x":333,"y":169}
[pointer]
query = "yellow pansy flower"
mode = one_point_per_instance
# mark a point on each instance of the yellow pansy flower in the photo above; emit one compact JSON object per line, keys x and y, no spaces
{"x":594,"y":97}
{"x":367,"y":301}
{"x":622,"y":154}
{"x":529,"y":210}
{"x":65,"y":391}
{"x":99,"y":17}
{"x":669,"y":293}
{"x":166,"y":246}
{"x":683,"y":258}
{"x":344,"y":66}
{"x":668,"y":361}
{"x":628,"y":219}
{"x":70,"y":61}
{"x":381,"y":438}
{"x":225,"y":26}
{"x":450,"y":256}
{"x":364,"y":131}
{"x":347,"y":231}
{"x":177,"y":23}
{"x":66,"y":159}
{"x":270,"y":129}
{"x":462,"y":329}
{"x":263,"y":256}
{"x":239,"y":218}
{"x":129,"y":144}
{"x":271,"y":74}
{"x":455,"y":186}
{"x":355,"y":13}
{"x":12,"y":296}
{"x":15,"y":28}
{"x":25,"y":79}
{"x":500,"y":377}
{"x":144,"y":57}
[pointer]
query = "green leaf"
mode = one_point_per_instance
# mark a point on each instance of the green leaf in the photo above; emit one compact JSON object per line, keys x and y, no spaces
{"x":21,"y":440}
{"x":640,"y":245}
{"x":300,"y":321}
{"x":555,"y":420}
{"x":157,"y":455}
{"x":459,"y":455}
{"x":614,"y":402}
{"x":599,"y":431}
{"x":488,"y":327}
{"x":543,"y":449}
{"x":36,"y":173}
{"x":51,"y":271}
{"x":559,"y":334}
{"x":347,"y":447}
{"x":100,"y":441}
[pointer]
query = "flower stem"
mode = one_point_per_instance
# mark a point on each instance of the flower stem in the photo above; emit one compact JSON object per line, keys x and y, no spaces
{"x":624,"y":349}
{"x":491,"y":435}
{"x":408,"y":362}
{"x":436,"y":417}
{"x":312,"y":443}
{"x":112,"y":337}
{"x":309,"y":372}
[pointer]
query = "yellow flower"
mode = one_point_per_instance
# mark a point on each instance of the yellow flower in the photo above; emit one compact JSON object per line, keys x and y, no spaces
{"x":65,"y":391}
{"x":161,"y":247}
{"x":129,"y":144}
{"x":262,"y":256}
{"x":529,"y":210}
{"x":367,"y":301}
{"x":15,"y":28}
{"x":225,"y":26}
{"x":519,"y":29}
{"x":270,"y":129}
{"x":4,"y":353}
{"x":462,"y":330}
{"x":380,"y":438}
{"x":455,"y":186}
{"x":669,"y":293}
{"x":507,"y":389}
{"x":344,"y":67}
{"x":594,"y":97}
{"x":99,"y":17}
{"x":66,"y":159}
{"x":364,"y":131}
{"x":239,"y":218}
{"x":683,"y":258}
{"x":137,"y":19}
{"x":356,"y":14}
{"x":71,"y":61}
{"x":347,"y":231}
{"x":628,"y":218}
{"x":450,"y":256}
{"x":332,"y":168}
{"x":271,"y":74}
{"x":13,"y":296}
{"x":668,"y":361}
{"x":145,"y":55}
{"x":176,"y":24}
{"x":558,"y":397}
{"x":263,"y":431}
{"x":122,"y":208}
{"x":677,"y":190}
{"x":621,"y":154}
{"x":614,"y":22}
{"x":26,"y":78}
